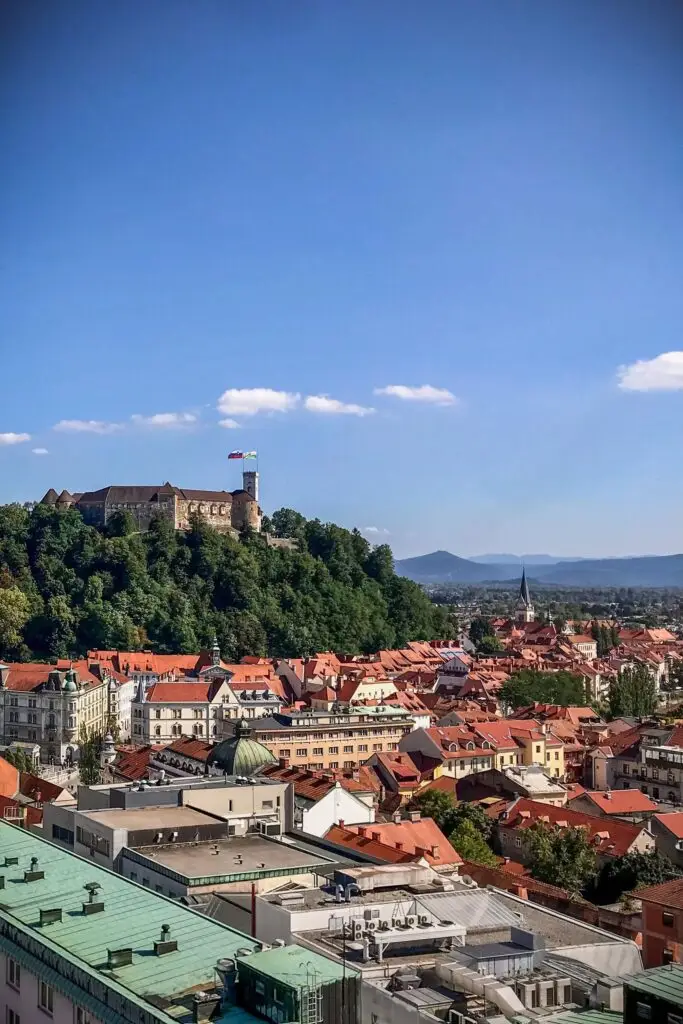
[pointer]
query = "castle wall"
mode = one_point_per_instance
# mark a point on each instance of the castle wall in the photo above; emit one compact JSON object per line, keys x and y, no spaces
{"x":218,"y":514}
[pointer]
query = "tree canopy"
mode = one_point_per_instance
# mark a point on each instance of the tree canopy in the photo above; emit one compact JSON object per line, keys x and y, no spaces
{"x":632,"y":692}
{"x":632,"y":871}
{"x":561,"y":856}
{"x":527,"y":686}
{"x":66,"y":587}
{"x":471,"y":845}
{"x":449,"y":814}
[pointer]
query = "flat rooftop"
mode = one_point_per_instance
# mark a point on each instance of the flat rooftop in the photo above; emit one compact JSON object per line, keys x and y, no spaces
{"x":132,"y":917}
{"x":161,"y":817}
{"x":232,"y":858}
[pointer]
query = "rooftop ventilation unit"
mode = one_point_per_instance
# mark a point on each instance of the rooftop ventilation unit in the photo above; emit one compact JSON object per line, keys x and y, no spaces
{"x":50,"y":916}
{"x":384,"y":926}
{"x":165,"y":944}
{"x":93,"y":906}
{"x":411,"y":921}
{"x":33,"y":874}
{"x":119,"y":957}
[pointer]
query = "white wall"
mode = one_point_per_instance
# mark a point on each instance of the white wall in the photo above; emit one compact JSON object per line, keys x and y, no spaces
{"x":25,"y":1001}
{"x":337,"y":805}
{"x":276,"y":922}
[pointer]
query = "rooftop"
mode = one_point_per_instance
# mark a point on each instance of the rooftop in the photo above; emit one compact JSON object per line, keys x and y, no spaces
{"x":663,"y":982}
{"x":161,"y":817}
{"x":132,"y":917}
{"x":233,"y":859}
{"x":668,"y":894}
{"x":295,"y":965}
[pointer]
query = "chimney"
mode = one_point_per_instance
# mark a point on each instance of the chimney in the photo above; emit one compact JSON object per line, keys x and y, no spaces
{"x":399,"y":846}
{"x":608,"y":794}
{"x":415,"y":815}
{"x":205,"y":1006}
{"x":283,"y":762}
{"x":397,"y":817}
{"x":435,"y":851}
{"x":341,"y":823}
{"x":362,"y":831}
{"x":375,"y":836}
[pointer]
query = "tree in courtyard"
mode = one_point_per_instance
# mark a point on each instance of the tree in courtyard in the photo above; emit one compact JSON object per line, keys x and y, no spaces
{"x":560,"y":856}
{"x":489,"y":645}
{"x":529,"y":686}
{"x":633,"y":693}
{"x":450,"y":814}
{"x":621,"y":875}
{"x":471,"y":845}
{"x":89,"y":768}
{"x":479,"y":628}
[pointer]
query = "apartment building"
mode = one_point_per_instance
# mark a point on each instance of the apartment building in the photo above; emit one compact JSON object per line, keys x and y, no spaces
{"x":44,"y":707}
{"x":333,"y":739}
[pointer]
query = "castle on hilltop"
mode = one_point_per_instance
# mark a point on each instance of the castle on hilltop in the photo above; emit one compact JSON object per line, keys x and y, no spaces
{"x":229,"y":511}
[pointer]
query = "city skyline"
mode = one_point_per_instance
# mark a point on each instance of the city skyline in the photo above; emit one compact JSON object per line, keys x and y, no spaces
{"x":426,"y":263}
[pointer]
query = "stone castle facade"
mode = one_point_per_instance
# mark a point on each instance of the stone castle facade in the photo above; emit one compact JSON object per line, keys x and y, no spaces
{"x":228,"y":511}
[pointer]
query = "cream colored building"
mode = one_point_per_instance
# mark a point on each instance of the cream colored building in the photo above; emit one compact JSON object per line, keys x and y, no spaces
{"x":333,"y":739}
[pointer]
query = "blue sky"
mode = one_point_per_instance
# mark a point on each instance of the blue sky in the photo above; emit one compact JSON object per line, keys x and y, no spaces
{"x":273,"y":202}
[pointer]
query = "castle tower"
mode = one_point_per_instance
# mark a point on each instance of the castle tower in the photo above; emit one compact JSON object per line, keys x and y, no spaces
{"x":250,"y":483}
{"x":524,"y":609}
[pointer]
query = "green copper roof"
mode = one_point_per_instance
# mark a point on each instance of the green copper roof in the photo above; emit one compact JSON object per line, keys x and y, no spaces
{"x":296,"y":966}
{"x":133,"y":916}
{"x":663,"y":982}
{"x":240,"y":754}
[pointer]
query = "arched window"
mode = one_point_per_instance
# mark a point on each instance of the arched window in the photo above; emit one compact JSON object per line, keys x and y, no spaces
{"x":157,"y":731}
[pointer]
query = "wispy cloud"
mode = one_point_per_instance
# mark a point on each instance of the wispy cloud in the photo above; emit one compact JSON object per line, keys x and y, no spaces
{"x":165,"y":419}
{"x":663,"y":373}
{"x":418,"y":393}
{"x":11,"y":438}
{"x":86,"y":427}
{"x":250,"y":401}
{"x":228,"y":424}
{"x":375,"y":530}
{"x":332,"y":406}
{"x":40,"y":451}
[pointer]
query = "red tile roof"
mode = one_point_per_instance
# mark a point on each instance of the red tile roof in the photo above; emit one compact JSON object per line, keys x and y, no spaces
{"x":364,"y":844}
{"x":9,"y":778}
{"x":26,"y":676}
{"x":311,"y":785}
{"x":188,"y":746}
{"x":615,"y":837}
{"x":621,"y":801}
{"x":421,"y":838}
{"x":668,"y":894}
{"x":673,"y":822}
{"x":180,"y":693}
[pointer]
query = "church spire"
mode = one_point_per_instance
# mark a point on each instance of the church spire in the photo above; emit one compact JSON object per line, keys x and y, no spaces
{"x":524,"y":588}
{"x":525,"y":608}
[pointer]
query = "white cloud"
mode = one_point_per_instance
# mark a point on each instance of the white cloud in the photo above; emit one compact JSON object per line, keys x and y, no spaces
{"x":86,"y":427}
{"x":228,"y":424}
{"x":39,"y":451}
{"x":663,"y":373}
{"x":14,"y":438}
{"x":418,"y":393}
{"x":249,"y":401}
{"x":374,"y":530}
{"x":165,"y":419}
{"x":332,"y":406}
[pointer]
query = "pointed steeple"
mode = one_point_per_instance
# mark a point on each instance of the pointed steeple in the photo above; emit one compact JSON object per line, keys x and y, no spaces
{"x":215,"y":653}
{"x":524,"y":589}
{"x":140,"y":695}
{"x":525,"y":608}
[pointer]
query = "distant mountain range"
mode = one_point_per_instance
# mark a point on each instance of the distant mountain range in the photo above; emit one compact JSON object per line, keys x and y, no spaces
{"x":646,"y":571}
{"x":521,"y":559}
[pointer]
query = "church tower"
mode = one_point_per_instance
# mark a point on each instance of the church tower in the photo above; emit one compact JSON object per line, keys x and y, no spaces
{"x":524,"y":609}
{"x":250,"y":483}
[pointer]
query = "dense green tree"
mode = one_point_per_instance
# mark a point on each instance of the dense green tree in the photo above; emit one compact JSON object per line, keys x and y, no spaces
{"x":450,"y":814}
{"x":479,"y":628}
{"x":560,"y":856}
{"x":471,"y":845}
{"x":527,"y":686}
{"x":489,"y":645}
{"x":73,"y":587}
{"x":633,"y":693}
{"x":89,"y":767}
{"x":619,"y":875}
{"x":14,"y":614}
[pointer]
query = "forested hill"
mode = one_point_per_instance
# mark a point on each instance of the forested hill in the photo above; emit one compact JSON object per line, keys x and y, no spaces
{"x":66,"y":587}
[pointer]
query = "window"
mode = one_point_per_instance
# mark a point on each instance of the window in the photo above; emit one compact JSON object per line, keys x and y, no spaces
{"x":157,"y":730}
{"x":667,"y":919}
{"x":12,"y":1016}
{"x":318,"y":750}
{"x":13,"y":973}
{"x":462,"y":766}
{"x":376,"y":746}
{"x":518,"y":840}
{"x":301,"y":752}
{"x":334,"y":750}
{"x":655,"y":773}
{"x":348,"y":750}
{"x":62,"y":835}
{"x":547,"y":756}
{"x":157,"y":713}
{"x":349,"y":764}
{"x":283,"y":753}
{"x":643,"y":1011}
{"x":362,"y":747}
{"x":45,"y":997}
{"x":334,"y":764}
{"x":538,"y":748}
{"x":626,"y":769}
{"x":133,"y":876}
{"x":567,"y":997}
{"x":267,"y":805}
{"x":82,"y":1016}
{"x":259,"y":988}
{"x":557,"y":755}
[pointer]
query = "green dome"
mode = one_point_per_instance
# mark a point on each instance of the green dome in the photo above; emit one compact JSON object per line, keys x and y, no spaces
{"x":240,"y":754}
{"x":70,"y":684}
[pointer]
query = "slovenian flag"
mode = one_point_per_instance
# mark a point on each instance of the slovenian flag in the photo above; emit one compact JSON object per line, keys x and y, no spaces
{"x":235,"y":455}
{"x":250,"y":455}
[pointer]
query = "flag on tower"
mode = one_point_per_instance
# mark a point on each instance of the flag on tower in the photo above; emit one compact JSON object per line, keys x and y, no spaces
{"x":235,"y":455}
{"x":250,"y":455}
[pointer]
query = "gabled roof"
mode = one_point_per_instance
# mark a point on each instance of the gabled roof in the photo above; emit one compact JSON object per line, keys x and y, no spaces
{"x":188,"y":746}
{"x":621,"y":801}
{"x":311,"y":785}
{"x":673,"y":822}
{"x":668,"y":894}
{"x":351,"y":840}
{"x":610,"y":838}
{"x":421,"y":838}
{"x":182,"y":693}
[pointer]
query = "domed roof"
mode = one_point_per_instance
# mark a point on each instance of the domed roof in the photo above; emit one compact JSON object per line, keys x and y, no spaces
{"x":240,"y":754}
{"x":70,"y":684}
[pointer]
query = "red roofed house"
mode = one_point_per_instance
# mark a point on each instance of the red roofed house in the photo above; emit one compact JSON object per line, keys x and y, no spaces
{"x":668,"y":832}
{"x":609,"y":838}
{"x":399,"y":774}
{"x":626,"y":804}
{"x":326,"y":798}
{"x":400,"y":841}
{"x":23,"y":794}
{"x":45,"y":707}
{"x":662,"y":928}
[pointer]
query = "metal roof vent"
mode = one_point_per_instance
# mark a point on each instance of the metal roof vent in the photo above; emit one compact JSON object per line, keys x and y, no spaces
{"x":119,"y":957}
{"x":93,"y":906}
{"x":9,"y":861}
{"x":165,"y":944}
{"x":33,"y":874}
{"x":50,"y":916}
{"x":205,"y":1005}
